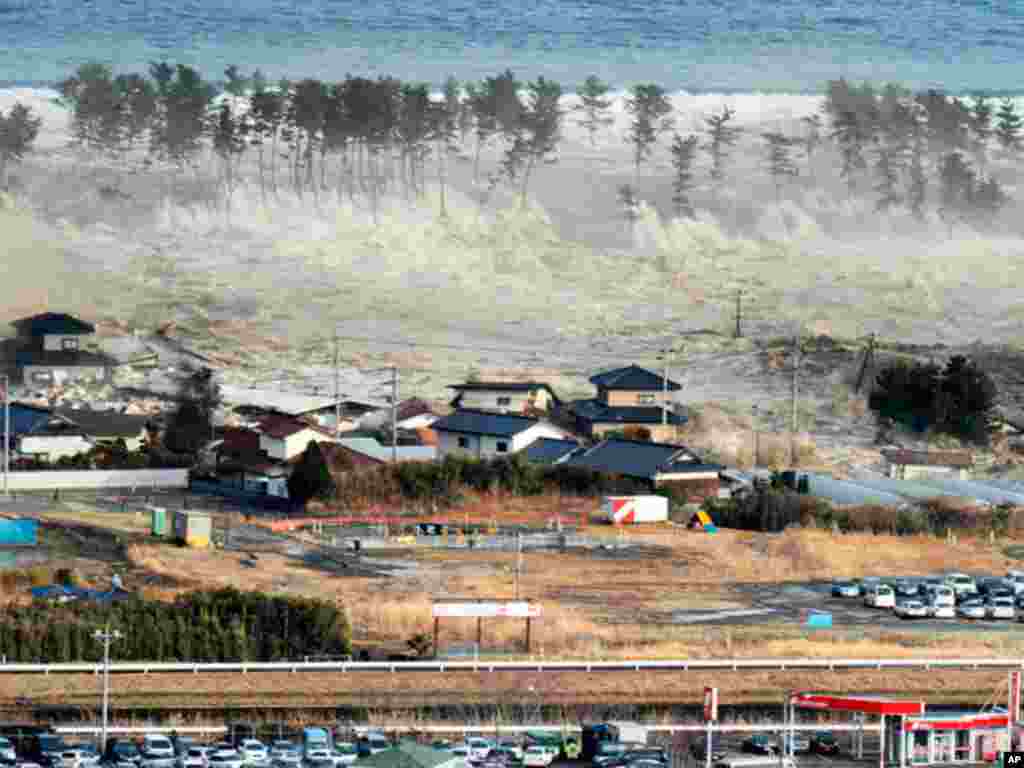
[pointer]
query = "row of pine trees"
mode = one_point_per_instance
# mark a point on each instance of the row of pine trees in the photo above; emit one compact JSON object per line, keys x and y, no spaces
{"x":225,"y":625}
{"x":364,"y":137}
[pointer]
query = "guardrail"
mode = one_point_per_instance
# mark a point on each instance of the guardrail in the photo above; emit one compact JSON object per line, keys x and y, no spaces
{"x":679,"y":665}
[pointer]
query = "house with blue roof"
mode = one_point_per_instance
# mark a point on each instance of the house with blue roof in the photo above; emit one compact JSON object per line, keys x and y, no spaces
{"x":630,"y":398}
{"x":551,"y":451}
{"x":485,"y":434}
{"x":660,"y":464}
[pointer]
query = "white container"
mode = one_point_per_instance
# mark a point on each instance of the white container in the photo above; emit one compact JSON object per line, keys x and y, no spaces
{"x":624,"y":510}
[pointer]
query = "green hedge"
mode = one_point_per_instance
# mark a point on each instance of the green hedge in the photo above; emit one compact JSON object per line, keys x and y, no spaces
{"x":225,"y":625}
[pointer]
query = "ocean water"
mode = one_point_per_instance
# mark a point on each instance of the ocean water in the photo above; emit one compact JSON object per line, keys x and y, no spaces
{"x":767,"y":46}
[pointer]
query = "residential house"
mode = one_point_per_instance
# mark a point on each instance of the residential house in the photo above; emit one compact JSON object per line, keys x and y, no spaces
{"x":370,"y":449}
{"x":485,"y":434}
{"x":907,"y":465}
{"x":659,"y":464}
{"x":506,"y":396}
{"x":550,"y":451}
{"x":320,"y":410}
{"x":283,"y":438}
{"x":242,"y":463}
{"x":630,"y":398}
{"x":410,"y":415}
{"x":52,"y":349}
{"x":53,"y":439}
{"x":24,"y":418}
{"x":107,"y":427}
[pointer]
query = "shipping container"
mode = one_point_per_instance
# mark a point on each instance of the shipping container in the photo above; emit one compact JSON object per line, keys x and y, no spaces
{"x":19,"y":532}
{"x":623,"y":510}
{"x":193,"y":529}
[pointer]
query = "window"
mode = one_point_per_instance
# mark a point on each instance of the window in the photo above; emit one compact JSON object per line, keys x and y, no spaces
{"x":463,"y":442}
{"x":504,"y":401}
{"x":69,"y":345}
{"x":646,"y":399}
{"x":502,"y":446}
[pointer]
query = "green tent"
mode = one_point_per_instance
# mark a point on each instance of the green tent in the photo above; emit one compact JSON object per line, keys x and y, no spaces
{"x":409,"y":754}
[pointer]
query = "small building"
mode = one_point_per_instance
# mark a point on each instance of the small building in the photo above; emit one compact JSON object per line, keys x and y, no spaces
{"x":506,"y":396}
{"x":284,"y":438}
{"x":410,"y":415}
{"x":107,"y":427}
{"x":53,"y":439}
{"x":660,"y":465}
{"x":907,"y":465}
{"x":484,"y":434}
{"x":630,"y":398}
{"x":52,"y":350}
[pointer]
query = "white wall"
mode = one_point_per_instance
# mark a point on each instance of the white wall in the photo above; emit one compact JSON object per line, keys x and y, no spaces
{"x":64,"y":373}
{"x":293,"y":445}
{"x":54,"y":447}
{"x":488,"y":400}
{"x":534,"y":433}
{"x":54,"y":342}
{"x":486,"y":446}
{"x":98,"y":478}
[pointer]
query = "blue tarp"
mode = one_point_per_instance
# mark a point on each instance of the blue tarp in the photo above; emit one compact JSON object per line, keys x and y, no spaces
{"x":57,"y":591}
{"x":20,"y":532}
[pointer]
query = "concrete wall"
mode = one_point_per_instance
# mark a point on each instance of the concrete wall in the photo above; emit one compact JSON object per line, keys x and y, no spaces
{"x":98,"y":478}
{"x":55,"y":342}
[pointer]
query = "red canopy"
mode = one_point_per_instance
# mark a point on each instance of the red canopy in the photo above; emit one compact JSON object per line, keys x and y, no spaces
{"x":870,"y":705}
{"x":965,"y":723}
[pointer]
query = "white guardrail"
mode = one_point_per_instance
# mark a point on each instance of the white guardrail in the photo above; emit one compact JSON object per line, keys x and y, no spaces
{"x":680,"y":665}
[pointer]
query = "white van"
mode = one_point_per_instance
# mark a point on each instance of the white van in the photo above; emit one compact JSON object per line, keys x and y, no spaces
{"x":879,"y":596}
{"x":750,"y":761}
{"x":961,"y":583}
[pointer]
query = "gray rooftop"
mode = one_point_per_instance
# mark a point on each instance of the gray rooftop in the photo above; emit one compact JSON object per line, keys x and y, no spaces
{"x":637,"y":458}
{"x":549,"y":451}
{"x":484,"y":423}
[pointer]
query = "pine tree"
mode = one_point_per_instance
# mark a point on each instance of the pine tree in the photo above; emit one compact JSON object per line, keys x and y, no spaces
{"x":722,"y":135}
{"x":779,"y":159}
{"x":536,"y":140}
{"x":443,"y":121}
{"x":981,"y":126}
{"x":684,"y":153}
{"x":990,"y":198}
{"x":18,"y":131}
{"x":850,"y":133}
{"x":651,"y":111}
{"x":917,"y":179}
{"x":1008,"y":125}
{"x":812,"y":136}
{"x":594,"y":106}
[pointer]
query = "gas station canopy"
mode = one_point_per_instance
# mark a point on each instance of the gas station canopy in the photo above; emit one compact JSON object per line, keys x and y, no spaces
{"x":869,"y":705}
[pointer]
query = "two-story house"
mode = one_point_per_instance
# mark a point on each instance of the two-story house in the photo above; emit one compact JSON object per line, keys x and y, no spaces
{"x":630,"y":397}
{"x":485,"y":434}
{"x":52,"y":349}
{"x":505,"y":396}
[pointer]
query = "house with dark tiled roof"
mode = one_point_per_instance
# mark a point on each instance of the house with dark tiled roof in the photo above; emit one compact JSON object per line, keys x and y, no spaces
{"x":906,"y":465}
{"x":550,"y":451}
{"x":52,"y":349}
{"x":630,"y":398}
{"x":107,"y":427}
{"x":661,"y":464}
{"x":505,"y":396}
{"x":485,"y":434}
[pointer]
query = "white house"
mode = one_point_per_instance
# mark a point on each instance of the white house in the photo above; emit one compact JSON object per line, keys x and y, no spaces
{"x":283,"y":439}
{"x":52,"y":349}
{"x":55,"y":439}
{"x":484,"y":435}
{"x":505,"y":396}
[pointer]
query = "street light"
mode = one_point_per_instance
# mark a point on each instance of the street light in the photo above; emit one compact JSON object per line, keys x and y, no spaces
{"x":106,"y":637}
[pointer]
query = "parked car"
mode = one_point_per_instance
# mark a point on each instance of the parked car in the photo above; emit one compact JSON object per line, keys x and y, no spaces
{"x":120,"y":752}
{"x":157,"y":751}
{"x":904,"y":588}
{"x":879,"y":596}
{"x":972,"y":609}
{"x":345,"y":753}
{"x":460,"y":750}
{"x":7,"y":749}
{"x":1000,"y":608}
{"x":194,"y":757}
{"x":800,"y":743}
{"x":537,"y":756}
{"x":607,"y":753}
{"x":285,"y":754}
{"x":941,"y":593}
{"x":225,"y":756}
{"x":845,"y":589}
{"x":938,"y":610}
{"x":513,"y":745}
{"x":319,"y":758}
{"x":824,"y":743}
{"x":961,"y":583}
{"x":254,"y":752}
{"x":46,"y":749}
{"x":911,"y":609}
{"x":760,"y":744}
{"x":372,"y":743}
{"x":646,"y":754}
{"x":699,"y":748}
{"x":497,"y":757}
{"x":478,"y":749}
{"x":1015,"y":580}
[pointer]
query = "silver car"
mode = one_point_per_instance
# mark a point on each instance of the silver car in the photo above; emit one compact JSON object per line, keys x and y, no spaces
{"x":972,"y":609}
{"x":1001,"y":608}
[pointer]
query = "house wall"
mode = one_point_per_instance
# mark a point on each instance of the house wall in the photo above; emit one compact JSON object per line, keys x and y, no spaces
{"x":668,"y":433}
{"x":291,"y":446}
{"x":486,"y":446}
{"x":52,"y":448}
{"x":55,"y":342}
{"x":488,"y":400}
{"x":619,"y":397}
{"x":914,"y":471}
{"x":30,"y":373}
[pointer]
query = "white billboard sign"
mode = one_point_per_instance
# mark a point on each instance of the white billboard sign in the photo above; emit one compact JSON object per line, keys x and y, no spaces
{"x":486,"y":610}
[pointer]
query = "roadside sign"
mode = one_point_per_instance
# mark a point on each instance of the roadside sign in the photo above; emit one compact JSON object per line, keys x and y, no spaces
{"x":710,"y":705}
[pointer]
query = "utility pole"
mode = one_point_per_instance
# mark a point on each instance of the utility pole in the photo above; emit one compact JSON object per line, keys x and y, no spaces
{"x":337,"y":390}
{"x":394,"y":414}
{"x":869,"y":359}
{"x":106,"y":637}
{"x":796,"y":373}
{"x":519,"y":560}
{"x":739,"y":332}
{"x":7,"y":430}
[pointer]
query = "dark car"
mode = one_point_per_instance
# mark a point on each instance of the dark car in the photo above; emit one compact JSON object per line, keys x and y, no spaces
{"x":824,"y":743}
{"x":656,"y":754}
{"x":905,"y":588}
{"x":511,"y":756}
{"x":46,"y":749}
{"x":760,"y":744}
{"x":120,"y":752}
{"x":699,"y":748}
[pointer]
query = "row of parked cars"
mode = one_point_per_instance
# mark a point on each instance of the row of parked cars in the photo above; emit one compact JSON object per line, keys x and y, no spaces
{"x":763,"y":744}
{"x":157,"y":751}
{"x":501,"y":753}
{"x":941,"y":597}
{"x":629,"y":755}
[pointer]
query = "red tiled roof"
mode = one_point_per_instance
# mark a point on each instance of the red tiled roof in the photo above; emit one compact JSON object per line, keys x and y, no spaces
{"x":281,"y":427}
{"x":930,"y":458}
{"x":239,"y":440}
{"x":333,"y":454}
{"x":414,"y":406}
